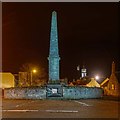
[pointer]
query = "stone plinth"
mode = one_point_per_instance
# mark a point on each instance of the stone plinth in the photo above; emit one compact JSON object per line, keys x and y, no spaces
{"x":53,"y":92}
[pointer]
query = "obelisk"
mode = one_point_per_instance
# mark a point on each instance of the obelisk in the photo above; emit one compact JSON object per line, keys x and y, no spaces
{"x":53,"y":51}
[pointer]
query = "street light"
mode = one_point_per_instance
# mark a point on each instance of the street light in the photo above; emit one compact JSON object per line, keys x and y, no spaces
{"x":33,"y":71}
{"x":97,"y":77}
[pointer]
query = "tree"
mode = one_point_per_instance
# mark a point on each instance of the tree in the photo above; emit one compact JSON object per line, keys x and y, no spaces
{"x":38,"y":78}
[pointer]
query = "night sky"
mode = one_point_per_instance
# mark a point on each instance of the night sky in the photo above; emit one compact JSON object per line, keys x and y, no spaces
{"x":87,"y":32}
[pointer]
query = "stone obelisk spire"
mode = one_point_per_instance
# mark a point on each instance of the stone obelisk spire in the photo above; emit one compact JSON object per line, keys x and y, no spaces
{"x":53,"y":51}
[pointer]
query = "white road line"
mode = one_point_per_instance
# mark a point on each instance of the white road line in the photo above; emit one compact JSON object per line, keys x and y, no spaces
{"x":24,"y":104}
{"x":61,"y":111}
{"x":20,"y":110}
{"x":17,"y":105}
{"x":68,"y":111}
{"x":82,"y":103}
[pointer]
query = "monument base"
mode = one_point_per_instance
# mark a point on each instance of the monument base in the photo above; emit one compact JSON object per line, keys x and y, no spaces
{"x":53,"y":92}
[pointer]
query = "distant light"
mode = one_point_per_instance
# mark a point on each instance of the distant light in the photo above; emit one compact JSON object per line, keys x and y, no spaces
{"x":97,"y":77}
{"x":78,"y":67}
{"x":34,"y":71}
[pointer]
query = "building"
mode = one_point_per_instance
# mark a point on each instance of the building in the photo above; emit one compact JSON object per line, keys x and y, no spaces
{"x":93,"y":83}
{"x":83,"y":72}
{"x":104,"y":85}
{"x":7,"y":80}
{"x":111,"y":86}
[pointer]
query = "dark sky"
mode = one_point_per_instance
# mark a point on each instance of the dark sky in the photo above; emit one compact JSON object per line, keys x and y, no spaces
{"x":87,"y":32}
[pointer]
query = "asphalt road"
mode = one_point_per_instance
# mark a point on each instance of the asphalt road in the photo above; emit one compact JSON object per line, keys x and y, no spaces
{"x":89,"y":108}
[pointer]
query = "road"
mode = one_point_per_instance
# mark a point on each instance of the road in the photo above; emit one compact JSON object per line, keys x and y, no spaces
{"x":89,"y":108}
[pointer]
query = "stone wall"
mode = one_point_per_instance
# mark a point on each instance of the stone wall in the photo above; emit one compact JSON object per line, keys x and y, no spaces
{"x":76,"y":92}
{"x":72,"y":92}
{"x":25,"y":93}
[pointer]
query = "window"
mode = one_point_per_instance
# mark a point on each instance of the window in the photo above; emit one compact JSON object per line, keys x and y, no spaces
{"x":113,"y":86}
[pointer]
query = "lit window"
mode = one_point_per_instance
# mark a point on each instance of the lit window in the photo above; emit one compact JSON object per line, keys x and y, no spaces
{"x":113,"y":87}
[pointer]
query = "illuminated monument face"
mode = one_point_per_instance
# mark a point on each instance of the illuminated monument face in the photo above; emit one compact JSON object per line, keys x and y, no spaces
{"x":54,"y":88}
{"x":53,"y":51}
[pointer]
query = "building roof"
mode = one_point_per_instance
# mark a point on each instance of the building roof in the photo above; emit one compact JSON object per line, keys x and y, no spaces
{"x":93,"y":83}
{"x":105,"y":82}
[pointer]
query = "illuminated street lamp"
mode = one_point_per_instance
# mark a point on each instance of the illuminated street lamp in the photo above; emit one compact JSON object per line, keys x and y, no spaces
{"x":97,"y":77}
{"x":33,"y":71}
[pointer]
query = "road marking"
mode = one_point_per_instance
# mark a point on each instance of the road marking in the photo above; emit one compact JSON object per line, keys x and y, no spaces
{"x":62,"y":111}
{"x":82,"y":103}
{"x":17,"y":105}
{"x":20,"y":110}
{"x":68,"y":111}
{"x":24,"y":104}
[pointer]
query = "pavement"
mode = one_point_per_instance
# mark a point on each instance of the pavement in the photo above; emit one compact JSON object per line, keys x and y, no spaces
{"x":84,"y":108}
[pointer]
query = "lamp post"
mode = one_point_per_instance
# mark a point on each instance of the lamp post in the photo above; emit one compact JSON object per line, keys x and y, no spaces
{"x":33,"y":71}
